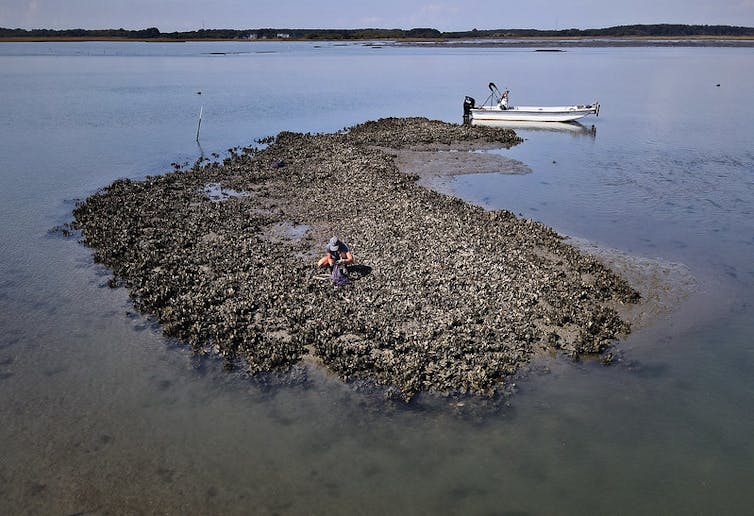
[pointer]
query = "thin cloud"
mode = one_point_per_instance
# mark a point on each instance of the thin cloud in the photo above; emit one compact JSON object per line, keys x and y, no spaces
{"x":448,"y":15}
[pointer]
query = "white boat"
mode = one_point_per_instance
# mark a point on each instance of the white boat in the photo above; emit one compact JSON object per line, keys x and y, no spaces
{"x":499,"y":109}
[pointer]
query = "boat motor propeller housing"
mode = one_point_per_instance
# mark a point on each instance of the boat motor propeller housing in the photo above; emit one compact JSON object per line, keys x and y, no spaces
{"x":468,"y":105}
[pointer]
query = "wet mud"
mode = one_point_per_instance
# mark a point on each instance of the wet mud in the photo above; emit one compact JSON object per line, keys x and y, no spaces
{"x":444,"y":297}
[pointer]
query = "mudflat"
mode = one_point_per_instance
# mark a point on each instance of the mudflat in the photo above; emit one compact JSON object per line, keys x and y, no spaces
{"x":444,"y":296}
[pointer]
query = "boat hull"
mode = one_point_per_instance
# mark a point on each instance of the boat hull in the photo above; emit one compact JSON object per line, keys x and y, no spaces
{"x":534,"y":113}
{"x":575,"y":128}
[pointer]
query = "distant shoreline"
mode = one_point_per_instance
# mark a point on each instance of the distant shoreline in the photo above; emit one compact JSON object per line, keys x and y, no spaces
{"x":524,"y":41}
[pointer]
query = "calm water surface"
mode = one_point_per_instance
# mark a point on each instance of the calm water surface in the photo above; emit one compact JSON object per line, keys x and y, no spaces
{"x":101,"y":414}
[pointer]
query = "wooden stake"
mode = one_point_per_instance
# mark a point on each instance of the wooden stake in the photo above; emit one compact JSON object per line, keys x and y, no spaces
{"x":199,"y":126}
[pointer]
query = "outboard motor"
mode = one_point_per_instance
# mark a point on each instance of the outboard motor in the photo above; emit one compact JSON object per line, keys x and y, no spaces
{"x":468,"y":105}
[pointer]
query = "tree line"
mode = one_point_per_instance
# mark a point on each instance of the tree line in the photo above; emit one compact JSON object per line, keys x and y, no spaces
{"x":658,"y":30}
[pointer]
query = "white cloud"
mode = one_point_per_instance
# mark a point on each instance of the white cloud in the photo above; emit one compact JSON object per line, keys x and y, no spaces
{"x":32,"y":9}
{"x":439,"y":10}
{"x":372,"y":22}
{"x":436,"y":15}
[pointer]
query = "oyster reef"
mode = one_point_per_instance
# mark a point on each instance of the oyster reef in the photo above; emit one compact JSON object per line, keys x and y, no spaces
{"x":444,"y":296}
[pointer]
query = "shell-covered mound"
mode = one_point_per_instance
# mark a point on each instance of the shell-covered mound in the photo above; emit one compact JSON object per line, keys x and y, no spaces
{"x":445,"y":296}
{"x":400,"y":133}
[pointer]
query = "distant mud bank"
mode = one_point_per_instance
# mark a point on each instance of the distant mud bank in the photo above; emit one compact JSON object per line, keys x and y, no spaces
{"x":444,"y":296}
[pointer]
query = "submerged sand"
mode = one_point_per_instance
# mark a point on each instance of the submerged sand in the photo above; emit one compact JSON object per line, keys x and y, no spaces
{"x":445,"y":296}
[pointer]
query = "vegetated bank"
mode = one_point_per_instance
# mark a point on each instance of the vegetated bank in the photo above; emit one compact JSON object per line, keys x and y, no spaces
{"x":445,"y":297}
{"x":663,"y":30}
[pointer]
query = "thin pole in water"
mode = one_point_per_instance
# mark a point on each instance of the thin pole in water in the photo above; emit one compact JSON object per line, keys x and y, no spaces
{"x":199,"y":126}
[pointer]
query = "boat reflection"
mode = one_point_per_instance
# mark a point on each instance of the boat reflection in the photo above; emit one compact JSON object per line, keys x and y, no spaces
{"x":576,"y":129}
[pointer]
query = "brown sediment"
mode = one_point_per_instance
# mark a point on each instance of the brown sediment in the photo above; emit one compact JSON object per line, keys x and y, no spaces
{"x":436,"y":167}
{"x":445,"y":297}
{"x":663,"y":285}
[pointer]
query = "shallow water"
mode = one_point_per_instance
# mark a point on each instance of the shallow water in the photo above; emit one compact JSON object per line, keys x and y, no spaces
{"x":101,"y":414}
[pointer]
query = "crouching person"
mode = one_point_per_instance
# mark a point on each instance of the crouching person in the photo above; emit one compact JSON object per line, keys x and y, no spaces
{"x":336,"y":252}
{"x":337,"y":256}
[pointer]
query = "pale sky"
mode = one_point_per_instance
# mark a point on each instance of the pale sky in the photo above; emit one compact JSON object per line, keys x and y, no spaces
{"x":445,"y":15}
